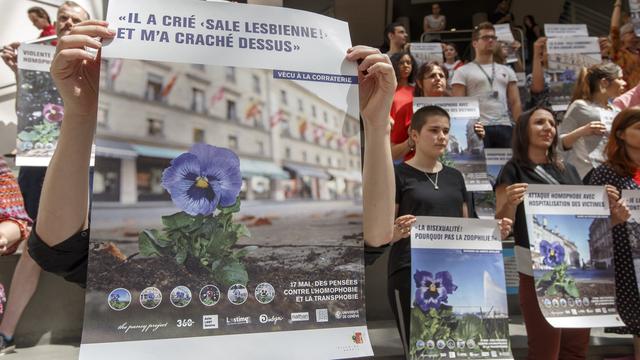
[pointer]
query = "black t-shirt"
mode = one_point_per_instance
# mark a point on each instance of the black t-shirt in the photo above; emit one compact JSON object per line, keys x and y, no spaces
{"x":416,"y":195}
{"x":513,"y":173}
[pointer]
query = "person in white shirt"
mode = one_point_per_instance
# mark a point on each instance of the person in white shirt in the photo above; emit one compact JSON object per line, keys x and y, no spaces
{"x":434,"y":22}
{"x":495,"y":85}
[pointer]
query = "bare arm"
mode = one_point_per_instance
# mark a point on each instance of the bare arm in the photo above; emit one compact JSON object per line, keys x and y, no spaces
{"x":398,"y":151}
{"x":377,"y":88}
{"x":616,"y":14}
{"x":425,"y":25}
{"x":513,"y":96}
{"x":537,"y":72}
{"x":507,"y":200}
{"x":458,"y":90}
{"x":65,"y":192}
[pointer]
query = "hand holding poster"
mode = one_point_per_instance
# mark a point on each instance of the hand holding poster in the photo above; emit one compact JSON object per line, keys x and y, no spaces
{"x":427,"y":52}
{"x":505,"y":36}
{"x":465,"y":149}
{"x":38,"y":106}
{"x":458,"y":301}
{"x":211,"y":269}
{"x":567,"y":56}
{"x":632,"y":197}
{"x":570,"y":242}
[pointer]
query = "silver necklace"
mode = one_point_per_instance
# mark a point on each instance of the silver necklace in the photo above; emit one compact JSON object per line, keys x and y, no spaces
{"x":435,"y":183}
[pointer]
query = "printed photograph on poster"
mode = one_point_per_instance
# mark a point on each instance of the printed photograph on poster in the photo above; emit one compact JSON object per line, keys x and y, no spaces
{"x":572,"y":255}
{"x":39,"y":107}
{"x":427,"y":52}
{"x":485,"y":201}
{"x":565,"y":30}
{"x":250,"y":180}
{"x":566,"y":57}
{"x":507,"y":42}
{"x":634,"y":13}
{"x":458,"y":290}
{"x":632,"y":197}
{"x":465,"y":151}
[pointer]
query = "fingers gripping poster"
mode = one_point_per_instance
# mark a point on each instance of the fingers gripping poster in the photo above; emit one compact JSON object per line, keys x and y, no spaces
{"x":227,"y":212}
{"x":458,"y":290}
{"x":570,"y":242}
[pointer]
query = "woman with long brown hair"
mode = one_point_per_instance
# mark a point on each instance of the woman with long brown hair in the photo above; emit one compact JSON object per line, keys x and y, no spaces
{"x":622,"y":170}
{"x":535,"y":161}
{"x":583,"y":131}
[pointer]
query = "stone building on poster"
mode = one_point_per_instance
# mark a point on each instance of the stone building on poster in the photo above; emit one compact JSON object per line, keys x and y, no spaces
{"x":543,"y":231}
{"x":291,"y":143}
{"x":601,"y":244}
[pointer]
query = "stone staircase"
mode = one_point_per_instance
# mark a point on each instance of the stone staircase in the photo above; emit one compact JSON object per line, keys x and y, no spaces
{"x":51,"y":326}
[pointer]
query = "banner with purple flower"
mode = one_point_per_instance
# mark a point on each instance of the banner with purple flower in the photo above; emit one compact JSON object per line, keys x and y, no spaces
{"x":218,"y":230}
{"x":632,"y":227}
{"x":38,"y":106}
{"x":458,"y":291}
{"x":571,"y":253}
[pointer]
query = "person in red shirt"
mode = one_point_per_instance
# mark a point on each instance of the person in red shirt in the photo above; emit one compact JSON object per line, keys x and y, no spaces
{"x":405,"y":67}
{"x":431,"y":81}
{"x":41,"y":20}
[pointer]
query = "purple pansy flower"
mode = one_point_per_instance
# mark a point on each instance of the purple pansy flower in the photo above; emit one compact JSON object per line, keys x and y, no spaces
{"x":53,"y":113}
{"x":203,"y":178}
{"x":552,"y":254}
{"x":430,"y":292}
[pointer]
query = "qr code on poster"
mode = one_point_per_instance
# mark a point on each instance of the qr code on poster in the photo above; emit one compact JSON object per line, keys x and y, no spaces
{"x":322,"y":315}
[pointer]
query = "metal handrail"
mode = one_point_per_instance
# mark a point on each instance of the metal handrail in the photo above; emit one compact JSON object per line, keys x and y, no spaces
{"x":469,"y":31}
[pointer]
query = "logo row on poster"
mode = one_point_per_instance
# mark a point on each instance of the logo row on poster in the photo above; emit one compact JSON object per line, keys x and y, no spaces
{"x":237,"y":294}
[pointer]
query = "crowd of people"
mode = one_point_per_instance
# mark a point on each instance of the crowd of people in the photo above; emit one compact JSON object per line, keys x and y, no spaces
{"x":569,"y":148}
{"x":547,"y":148}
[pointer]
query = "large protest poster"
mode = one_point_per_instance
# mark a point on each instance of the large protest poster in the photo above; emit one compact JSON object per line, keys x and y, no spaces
{"x":458,"y":296}
{"x":570,"y":243}
{"x":632,"y":197}
{"x":565,"y":30}
{"x":215,"y":240}
{"x":39,"y":107}
{"x":567,"y":56}
{"x":465,"y":151}
{"x":634,"y":13}
{"x":427,"y":52}
{"x":505,"y":36}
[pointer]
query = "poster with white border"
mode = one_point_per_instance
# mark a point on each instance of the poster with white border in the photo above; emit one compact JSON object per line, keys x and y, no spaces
{"x":570,"y":243}
{"x":465,"y":151}
{"x":236,"y":128}
{"x":458,"y":290}
{"x":427,"y":52}
{"x":634,"y":13}
{"x":39,"y":107}
{"x":567,"y":56}
{"x":565,"y":30}
{"x":504,"y":34}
